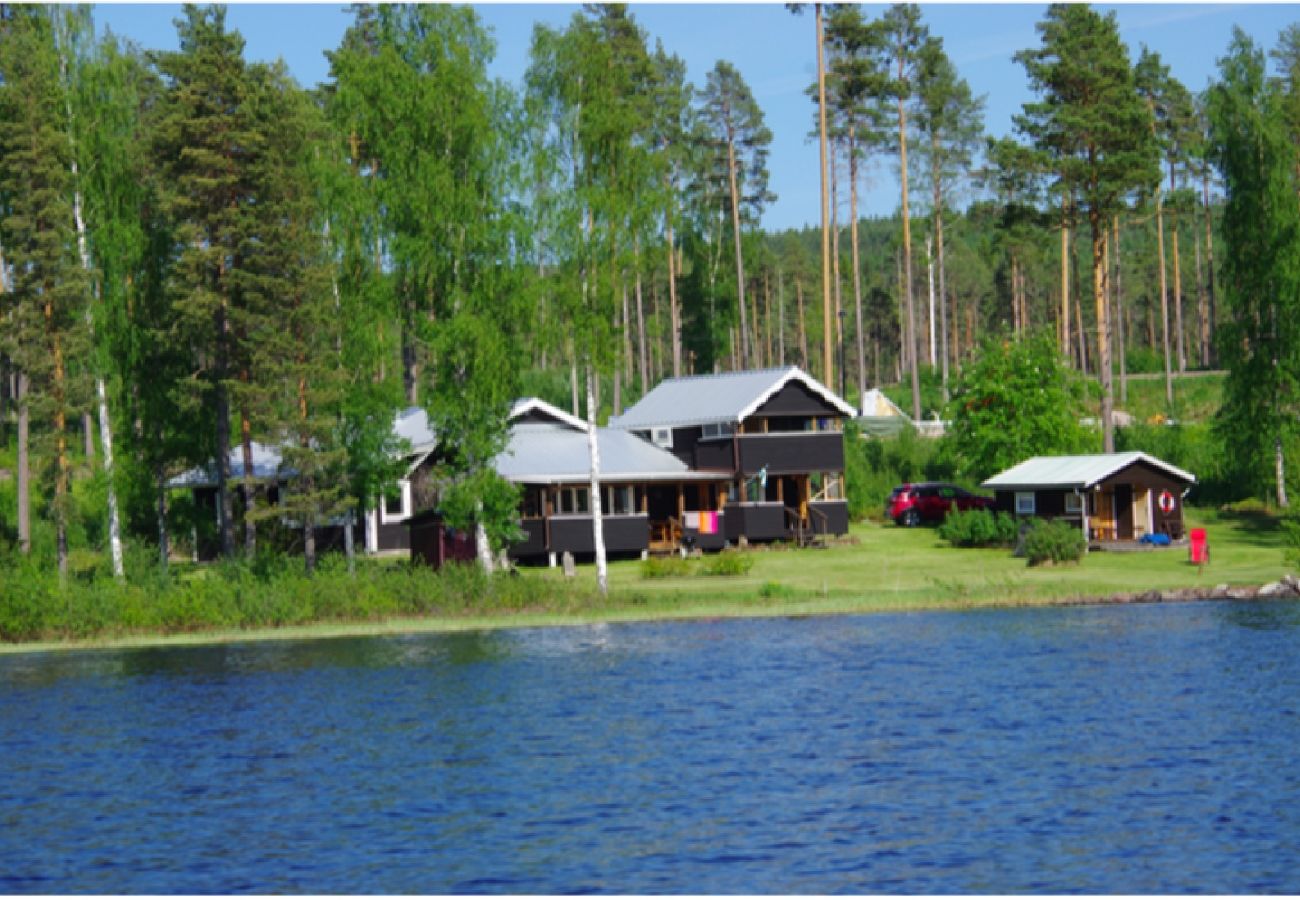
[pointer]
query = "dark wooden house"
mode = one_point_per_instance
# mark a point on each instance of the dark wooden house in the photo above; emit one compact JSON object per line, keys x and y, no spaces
{"x":1110,"y":496}
{"x":774,"y":435}
{"x":650,"y":499}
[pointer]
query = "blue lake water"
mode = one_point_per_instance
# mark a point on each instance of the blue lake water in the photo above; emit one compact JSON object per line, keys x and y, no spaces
{"x":1120,"y":749}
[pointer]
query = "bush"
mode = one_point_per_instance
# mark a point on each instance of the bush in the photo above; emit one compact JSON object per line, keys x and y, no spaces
{"x":980,"y":528}
{"x":728,"y":562}
{"x":774,"y":590}
{"x":665,"y":567}
{"x":1055,"y":541}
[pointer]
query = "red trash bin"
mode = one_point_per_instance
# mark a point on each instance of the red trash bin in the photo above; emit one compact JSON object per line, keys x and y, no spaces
{"x":1199,"y":549}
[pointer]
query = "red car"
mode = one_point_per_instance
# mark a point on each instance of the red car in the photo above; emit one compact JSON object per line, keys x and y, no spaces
{"x":931,"y":501}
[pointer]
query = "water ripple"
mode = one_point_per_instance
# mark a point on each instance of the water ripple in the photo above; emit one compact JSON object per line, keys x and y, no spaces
{"x":1120,"y":750}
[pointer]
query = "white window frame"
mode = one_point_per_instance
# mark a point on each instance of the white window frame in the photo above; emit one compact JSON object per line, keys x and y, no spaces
{"x":1026,"y":503}
{"x":713,"y":431}
{"x":404,"y":492}
{"x":1073,"y":504}
{"x":662,"y":437}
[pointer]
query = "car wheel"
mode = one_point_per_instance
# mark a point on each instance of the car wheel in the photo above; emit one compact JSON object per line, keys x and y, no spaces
{"x":910,"y":519}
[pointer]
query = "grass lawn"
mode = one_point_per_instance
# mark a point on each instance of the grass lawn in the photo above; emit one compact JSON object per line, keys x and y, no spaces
{"x":884,"y":567}
{"x":877,"y":568}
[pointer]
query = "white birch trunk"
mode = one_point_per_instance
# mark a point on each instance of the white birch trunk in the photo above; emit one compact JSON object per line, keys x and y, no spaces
{"x":101,"y":393}
{"x":929,"y":274}
{"x":597,"y":522}
{"x":1279,"y":462}
{"x":481,"y":545}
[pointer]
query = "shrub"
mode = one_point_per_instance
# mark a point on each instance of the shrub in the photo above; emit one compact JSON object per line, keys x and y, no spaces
{"x":1055,"y":541}
{"x":665,"y":567}
{"x":774,"y":590}
{"x":728,"y":562}
{"x":979,"y":528}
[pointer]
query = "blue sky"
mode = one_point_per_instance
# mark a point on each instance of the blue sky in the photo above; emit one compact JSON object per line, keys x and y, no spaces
{"x":775,"y":52}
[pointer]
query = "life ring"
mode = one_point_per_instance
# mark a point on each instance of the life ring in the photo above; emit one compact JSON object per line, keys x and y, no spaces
{"x":1167,"y":502}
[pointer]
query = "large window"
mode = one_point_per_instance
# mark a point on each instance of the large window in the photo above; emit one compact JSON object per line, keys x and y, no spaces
{"x":1025,"y":503}
{"x":573,"y":500}
{"x":714,"y":430}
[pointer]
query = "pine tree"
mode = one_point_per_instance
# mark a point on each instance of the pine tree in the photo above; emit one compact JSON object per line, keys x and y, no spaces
{"x":202,"y":142}
{"x":857,"y":89}
{"x":739,"y":140}
{"x":1094,"y":129}
{"x":904,"y":37}
{"x":950,"y":122}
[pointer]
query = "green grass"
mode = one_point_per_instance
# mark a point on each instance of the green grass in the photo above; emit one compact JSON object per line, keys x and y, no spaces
{"x":877,"y":568}
{"x":1196,"y":397}
{"x":886,"y":567}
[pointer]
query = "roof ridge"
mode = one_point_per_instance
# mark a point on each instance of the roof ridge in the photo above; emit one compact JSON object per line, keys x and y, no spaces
{"x":703,"y":375}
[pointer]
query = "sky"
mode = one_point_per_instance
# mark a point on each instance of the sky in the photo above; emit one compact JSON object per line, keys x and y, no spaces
{"x":775,"y":52}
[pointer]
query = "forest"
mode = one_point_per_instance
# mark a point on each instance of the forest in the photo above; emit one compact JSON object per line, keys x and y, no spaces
{"x":197,"y":253}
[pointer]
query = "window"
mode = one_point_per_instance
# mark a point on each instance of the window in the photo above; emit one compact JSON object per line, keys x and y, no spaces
{"x":620,"y":500}
{"x":532,"y":507}
{"x":396,"y":506}
{"x":828,"y":487}
{"x":573,"y":500}
{"x":1025,"y":503}
{"x":716,"y":430}
{"x":662,"y":437}
{"x":1073,"y":504}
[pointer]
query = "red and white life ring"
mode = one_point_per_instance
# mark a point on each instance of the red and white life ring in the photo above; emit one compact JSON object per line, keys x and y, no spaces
{"x":1167,"y":502}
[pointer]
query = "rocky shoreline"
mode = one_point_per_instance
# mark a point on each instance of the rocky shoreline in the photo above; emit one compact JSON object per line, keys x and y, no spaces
{"x":1288,"y":588}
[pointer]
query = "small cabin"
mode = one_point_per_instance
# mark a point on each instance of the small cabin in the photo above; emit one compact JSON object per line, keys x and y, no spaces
{"x":1109,"y":496}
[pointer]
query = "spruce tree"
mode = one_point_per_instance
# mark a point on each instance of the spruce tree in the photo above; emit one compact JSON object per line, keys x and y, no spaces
{"x":47,"y":299}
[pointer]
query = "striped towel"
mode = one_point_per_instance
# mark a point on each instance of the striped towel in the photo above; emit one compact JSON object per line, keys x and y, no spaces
{"x":708,"y":523}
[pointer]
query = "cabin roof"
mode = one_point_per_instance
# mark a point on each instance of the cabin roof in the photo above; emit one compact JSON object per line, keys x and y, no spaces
{"x":412,"y":424}
{"x":724,"y":397}
{"x":1051,"y":472}
{"x":554,"y":454}
{"x":266,"y":467}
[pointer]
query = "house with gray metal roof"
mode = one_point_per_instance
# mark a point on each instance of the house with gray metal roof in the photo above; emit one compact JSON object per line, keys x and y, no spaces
{"x":776,"y":433}
{"x":1110,"y":496}
{"x":650,"y":499}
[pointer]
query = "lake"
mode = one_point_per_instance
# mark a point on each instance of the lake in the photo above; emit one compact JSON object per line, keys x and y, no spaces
{"x":1137,"y":749}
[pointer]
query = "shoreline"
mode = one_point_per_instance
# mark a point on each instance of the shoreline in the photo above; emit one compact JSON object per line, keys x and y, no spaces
{"x":1286,"y":588}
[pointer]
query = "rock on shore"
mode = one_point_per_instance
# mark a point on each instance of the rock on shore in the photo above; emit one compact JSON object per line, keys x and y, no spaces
{"x":1286,"y":589}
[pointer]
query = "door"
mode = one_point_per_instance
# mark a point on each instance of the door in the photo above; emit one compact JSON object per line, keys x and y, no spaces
{"x":1141,"y":512}
{"x":1105,"y":516}
{"x":1124,"y":512}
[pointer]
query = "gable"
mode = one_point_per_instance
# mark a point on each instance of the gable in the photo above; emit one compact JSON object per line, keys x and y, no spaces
{"x":537,"y":417}
{"x":795,"y":399}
